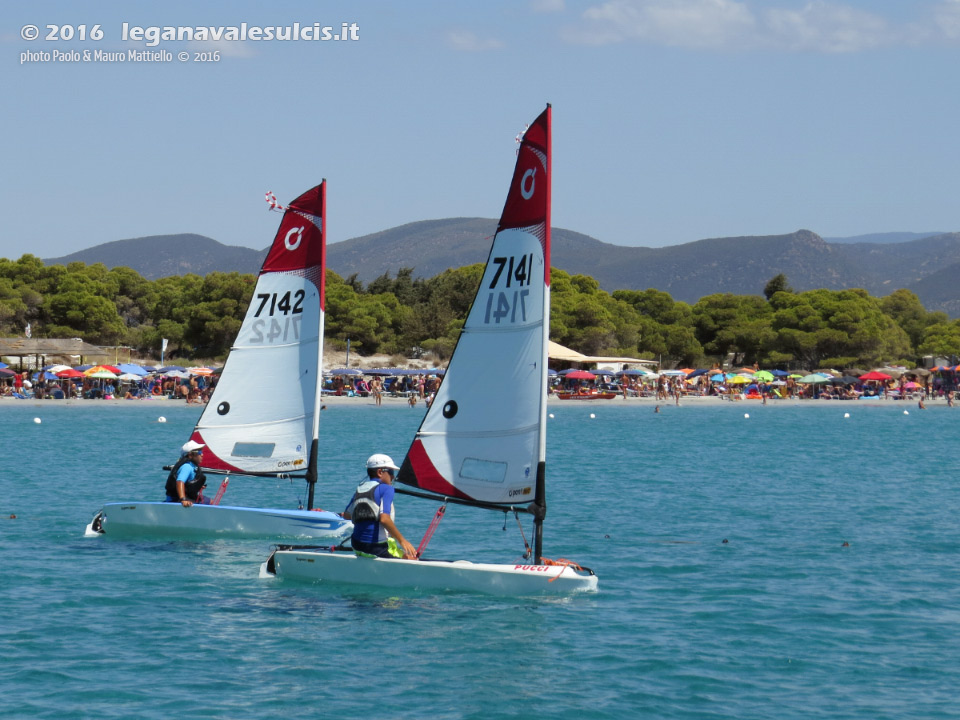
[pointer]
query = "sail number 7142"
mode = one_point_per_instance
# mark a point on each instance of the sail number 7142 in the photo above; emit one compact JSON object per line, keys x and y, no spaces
{"x":271,"y":330}
{"x":509,"y":304}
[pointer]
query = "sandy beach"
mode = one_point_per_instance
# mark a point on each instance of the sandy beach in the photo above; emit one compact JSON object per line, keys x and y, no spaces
{"x":389,"y":400}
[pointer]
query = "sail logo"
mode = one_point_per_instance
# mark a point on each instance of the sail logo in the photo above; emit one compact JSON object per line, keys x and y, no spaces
{"x":530,"y":175}
{"x":293,"y":244}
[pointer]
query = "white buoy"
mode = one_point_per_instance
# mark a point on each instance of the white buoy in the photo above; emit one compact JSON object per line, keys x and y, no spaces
{"x":161,"y":419}
{"x":747,"y":415}
{"x":551,"y":416}
{"x":906,"y":412}
{"x":37,"y":420}
{"x":846,"y":415}
{"x":592,"y":416}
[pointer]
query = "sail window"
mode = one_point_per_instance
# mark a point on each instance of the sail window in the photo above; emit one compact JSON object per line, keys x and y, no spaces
{"x":254,"y":450}
{"x":487,"y":471}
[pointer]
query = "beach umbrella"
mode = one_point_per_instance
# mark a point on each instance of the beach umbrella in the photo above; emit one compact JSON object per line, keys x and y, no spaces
{"x":171,"y":368}
{"x":740,"y":380}
{"x":3,"y":365}
{"x":874,"y":375}
{"x":697,"y":373}
{"x":580,"y":375}
{"x":911,"y":386}
{"x":845,"y":380}
{"x":672,"y":372}
{"x":69,"y":373}
{"x":344,"y":371}
{"x":552,"y":373}
{"x":894,"y":373}
{"x":180,"y":374}
{"x":814,"y":378}
{"x":204,"y":371}
{"x":6,"y":373}
{"x":101,"y":374}
{"x":763,"y":375}
{"x":381,"y":372}
{"x":92,"y":372}
{"x":131,"y":368}
{"x":635,"y":372}
{"x":717,"y":378}
{"x":130,"y":377}
{"x":55,"y":368}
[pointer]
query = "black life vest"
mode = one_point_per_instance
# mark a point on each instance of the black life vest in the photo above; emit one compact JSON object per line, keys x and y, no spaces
{"x":365,"y":508}
{"x":192,"y":489}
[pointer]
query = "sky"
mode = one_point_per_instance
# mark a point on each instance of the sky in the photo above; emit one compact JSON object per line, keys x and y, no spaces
{"x":673,"y":120}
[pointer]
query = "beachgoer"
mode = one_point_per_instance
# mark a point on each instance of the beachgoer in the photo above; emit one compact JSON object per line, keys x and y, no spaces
{"x":376,"y":387}
{"x":186,"y":480}
{"x":371,"y":511}
{"x":921,"y":405}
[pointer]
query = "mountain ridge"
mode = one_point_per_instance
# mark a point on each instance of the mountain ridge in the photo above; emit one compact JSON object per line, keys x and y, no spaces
{"x":739,"y":265}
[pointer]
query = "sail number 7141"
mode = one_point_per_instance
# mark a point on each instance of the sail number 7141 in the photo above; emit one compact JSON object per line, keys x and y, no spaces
{"x":511,"y":273}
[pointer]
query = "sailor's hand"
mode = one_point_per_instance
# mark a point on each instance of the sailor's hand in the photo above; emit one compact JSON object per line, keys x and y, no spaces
{"x":186,"y":503}
{"x":409,"y":551}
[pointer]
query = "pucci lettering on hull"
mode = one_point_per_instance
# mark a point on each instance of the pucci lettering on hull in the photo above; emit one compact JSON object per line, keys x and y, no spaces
{"x":533,"y":568}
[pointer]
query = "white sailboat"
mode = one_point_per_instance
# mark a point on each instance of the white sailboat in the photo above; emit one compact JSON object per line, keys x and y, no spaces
{"x":473,"y":447}
{"x":263,"y":416}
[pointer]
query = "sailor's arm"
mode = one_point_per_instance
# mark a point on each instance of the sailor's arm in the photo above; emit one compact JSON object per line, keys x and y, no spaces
{"x":409,"y":551}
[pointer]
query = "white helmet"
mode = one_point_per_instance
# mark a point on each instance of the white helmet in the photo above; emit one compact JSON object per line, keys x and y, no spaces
{"x":380,"y":461}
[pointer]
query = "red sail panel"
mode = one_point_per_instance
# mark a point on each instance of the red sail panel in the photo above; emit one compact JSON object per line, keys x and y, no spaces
{"x":528,"y":202}
{"x":299,"y":241}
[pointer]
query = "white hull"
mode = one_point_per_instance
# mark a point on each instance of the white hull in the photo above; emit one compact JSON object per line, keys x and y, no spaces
{"x":430,"y":575}
{"x":163,"y":518}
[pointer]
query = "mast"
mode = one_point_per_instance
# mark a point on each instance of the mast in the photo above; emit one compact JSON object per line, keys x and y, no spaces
{"x":540,"y":491}
{"x":318,"y":383}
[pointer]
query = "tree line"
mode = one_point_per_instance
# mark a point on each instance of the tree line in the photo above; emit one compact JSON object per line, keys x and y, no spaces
{"x":404,"y":316}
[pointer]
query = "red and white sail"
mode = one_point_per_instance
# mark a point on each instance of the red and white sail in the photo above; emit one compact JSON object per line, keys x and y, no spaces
{"x":483,"y":436}
{"x":262,"y":416}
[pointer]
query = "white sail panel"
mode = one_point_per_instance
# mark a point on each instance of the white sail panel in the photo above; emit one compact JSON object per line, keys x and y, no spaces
{"x":480,"y":438}
{"x":260,"y":417}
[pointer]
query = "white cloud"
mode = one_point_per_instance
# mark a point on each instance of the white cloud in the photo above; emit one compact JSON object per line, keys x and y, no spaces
{"x":469,"y":42}
{"x":683,"y":23}
{"x":946,"y":19}
{"x":817,"y":26}
{"x":827,"y":28}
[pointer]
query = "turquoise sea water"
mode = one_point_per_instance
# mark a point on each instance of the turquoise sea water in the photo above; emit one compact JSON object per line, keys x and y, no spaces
{"x":781,"y":621}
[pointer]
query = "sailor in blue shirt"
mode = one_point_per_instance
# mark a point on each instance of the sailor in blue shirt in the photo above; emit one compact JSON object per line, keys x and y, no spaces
{"x":371,"y":510}
{"x":186,"y":481}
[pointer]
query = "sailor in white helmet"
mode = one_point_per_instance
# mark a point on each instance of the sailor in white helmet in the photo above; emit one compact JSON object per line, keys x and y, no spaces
{"x":371,"y":511}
